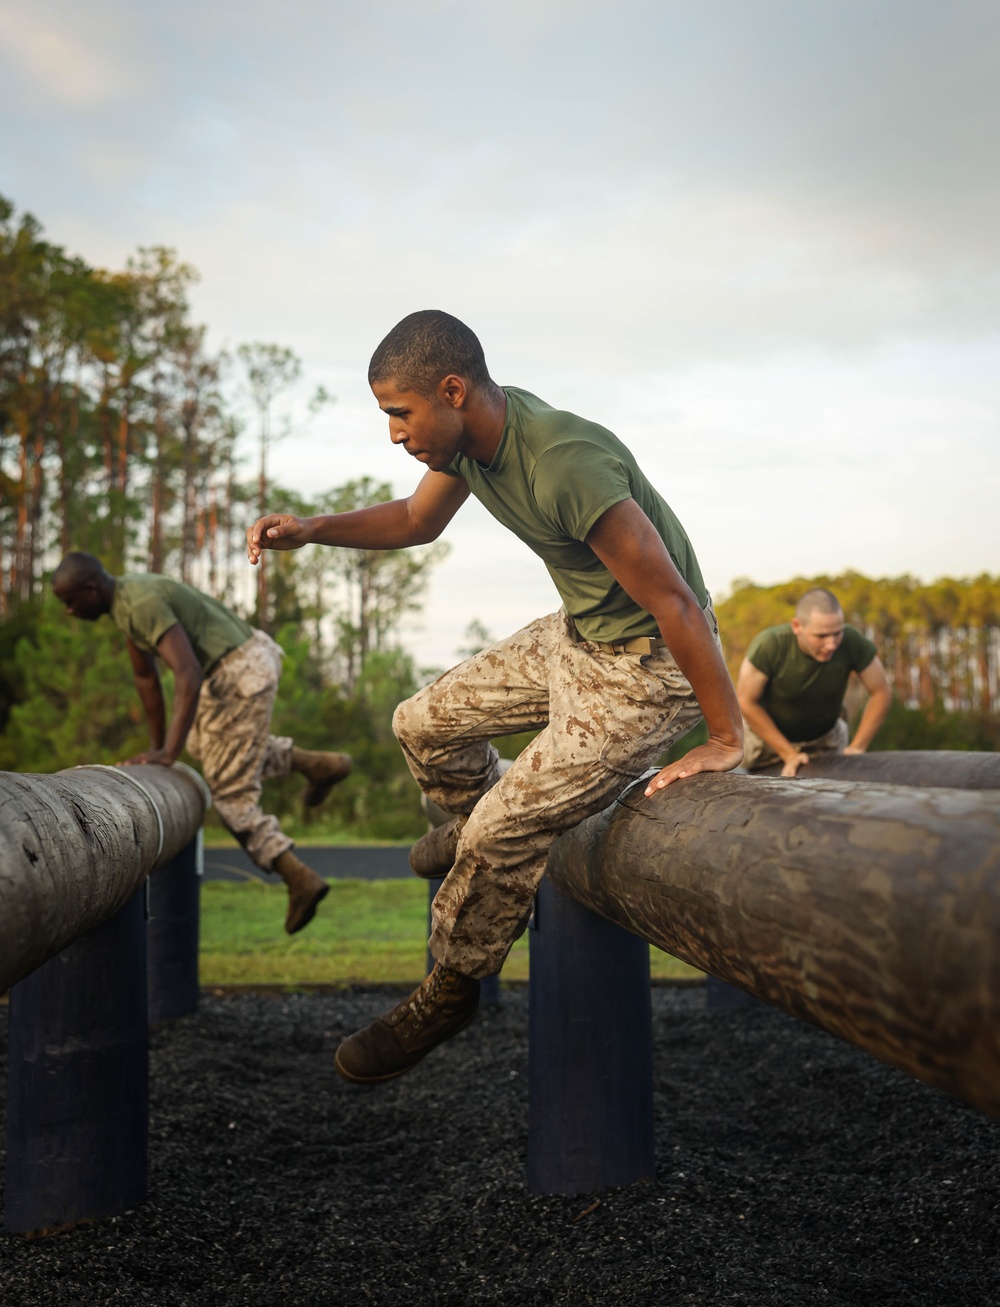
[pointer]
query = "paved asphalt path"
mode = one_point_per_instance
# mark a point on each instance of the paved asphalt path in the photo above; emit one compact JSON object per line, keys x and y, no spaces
{"x":342,"y":861}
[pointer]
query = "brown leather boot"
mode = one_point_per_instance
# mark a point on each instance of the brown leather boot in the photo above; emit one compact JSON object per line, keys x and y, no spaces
{"x":321,"y":770}
{"x":437,"y":1009}
{"x":434,"y":853}
{"x":306,"y":890}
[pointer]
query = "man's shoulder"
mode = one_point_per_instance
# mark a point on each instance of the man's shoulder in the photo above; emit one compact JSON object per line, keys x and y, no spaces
{"x":542,"y":427}
{"x":858,"y":648}
{"x":772,"y":637}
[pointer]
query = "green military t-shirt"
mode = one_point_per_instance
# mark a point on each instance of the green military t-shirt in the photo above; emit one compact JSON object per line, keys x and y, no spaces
{"x":146,"y":606}
{"x":552,"y":477}
{"x":803,"y":696}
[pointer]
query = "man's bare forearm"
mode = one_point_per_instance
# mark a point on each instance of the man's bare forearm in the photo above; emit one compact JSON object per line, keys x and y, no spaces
{"x":762,"y":724}
{"x":150,"y":693}
{"x":875,"y":712}
{"x":379,"y":526}
{"x":682,"y":624}
{"x":186,"y":692}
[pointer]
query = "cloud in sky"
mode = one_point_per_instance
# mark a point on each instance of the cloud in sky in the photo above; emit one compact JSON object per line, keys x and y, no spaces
{"x":764,"y":237}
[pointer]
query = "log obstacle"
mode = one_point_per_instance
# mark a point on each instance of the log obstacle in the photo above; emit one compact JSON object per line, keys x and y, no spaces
{"x":75,"y":846}
{"x":869,"y":910}
{"x":75,"y":851}
{"x":933,"y":768}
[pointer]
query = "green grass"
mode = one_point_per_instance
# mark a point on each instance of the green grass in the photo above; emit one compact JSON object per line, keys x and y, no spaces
{"x":366,"y":932}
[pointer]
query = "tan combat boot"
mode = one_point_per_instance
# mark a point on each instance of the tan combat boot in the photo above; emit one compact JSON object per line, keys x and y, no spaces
{"x":321,"y":770}
{"x":306,"y":890}
{"x":434,"y":853}
{"x":437,"y":1009}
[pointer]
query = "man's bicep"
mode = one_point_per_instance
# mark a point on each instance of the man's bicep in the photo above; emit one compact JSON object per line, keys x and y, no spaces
{"x":630,"y":547}
{"x":143,"y":663}
{"x":751,"y":682}
{"x":176,"y":650}
{"x":873,"y":677}
{"x":436,"y":500}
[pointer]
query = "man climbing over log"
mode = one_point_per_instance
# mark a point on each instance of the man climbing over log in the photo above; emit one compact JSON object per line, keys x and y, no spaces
{"x":225,"y":681}
{"x":628,"y":664}
{"x":792,"y":682}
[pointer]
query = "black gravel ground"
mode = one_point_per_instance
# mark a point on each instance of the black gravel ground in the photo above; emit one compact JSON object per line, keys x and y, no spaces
{"x":793,"y":1170}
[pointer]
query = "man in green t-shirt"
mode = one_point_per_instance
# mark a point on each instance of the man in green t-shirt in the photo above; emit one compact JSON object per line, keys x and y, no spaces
{"x":225,"y":681}
{"x":630,"y":662}
{"x":792,"y":682}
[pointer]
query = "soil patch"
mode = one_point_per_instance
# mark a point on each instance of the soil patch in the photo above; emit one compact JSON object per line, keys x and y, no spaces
{"x":792,"y":1170}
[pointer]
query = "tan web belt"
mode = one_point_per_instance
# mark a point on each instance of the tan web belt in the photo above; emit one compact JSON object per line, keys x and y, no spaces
{"x":642,"y":644}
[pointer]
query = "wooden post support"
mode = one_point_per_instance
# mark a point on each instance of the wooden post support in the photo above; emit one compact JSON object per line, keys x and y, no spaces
{"x":590,"y":1108}
{"x":78,"y":1098}
{"x":174,"y":891}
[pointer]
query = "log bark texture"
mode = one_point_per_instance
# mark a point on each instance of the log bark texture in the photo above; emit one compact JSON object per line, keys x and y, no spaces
{"x":75,"y":846}
{"x":934,"y":768}
{"x":872,"y":911}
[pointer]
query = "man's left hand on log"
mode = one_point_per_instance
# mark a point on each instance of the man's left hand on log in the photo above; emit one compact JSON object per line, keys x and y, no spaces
{"x":714,"y":756}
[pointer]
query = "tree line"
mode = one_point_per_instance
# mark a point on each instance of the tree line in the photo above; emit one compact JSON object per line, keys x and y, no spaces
{"x":122,"y":433}
{"x":939,"y":641}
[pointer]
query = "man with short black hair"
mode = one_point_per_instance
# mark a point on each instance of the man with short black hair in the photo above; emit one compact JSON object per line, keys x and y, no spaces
{"x":628,"y":664}
{"x":792,"y":683}
{"x":225,"y":682}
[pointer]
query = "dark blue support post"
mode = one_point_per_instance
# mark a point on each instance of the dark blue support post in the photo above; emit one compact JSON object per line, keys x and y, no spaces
{"x":590,"y":1044}
{"x":489,"y":990}
{"x":720,"y":996}
{"x":173,"y":935}
{"x":78,"y":1096}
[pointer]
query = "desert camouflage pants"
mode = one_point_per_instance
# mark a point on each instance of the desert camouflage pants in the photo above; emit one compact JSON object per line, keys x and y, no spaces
{"x":230,"y":738}
{"x":758,"y":754}
{"x":605,"y":717}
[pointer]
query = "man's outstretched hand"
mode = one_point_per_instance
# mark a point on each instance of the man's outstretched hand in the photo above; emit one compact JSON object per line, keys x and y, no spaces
{"x":713,"y":756}
{"x":276,"y":531}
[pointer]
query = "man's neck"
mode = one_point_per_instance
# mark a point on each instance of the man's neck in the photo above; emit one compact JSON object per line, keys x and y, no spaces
{"x":485,"y":419}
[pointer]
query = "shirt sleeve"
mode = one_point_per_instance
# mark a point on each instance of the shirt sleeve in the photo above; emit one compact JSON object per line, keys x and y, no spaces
{"x":576,"y":482}
{"x":150,"y":619}
{"x":762,"y":654}
{"x":860,"y":649}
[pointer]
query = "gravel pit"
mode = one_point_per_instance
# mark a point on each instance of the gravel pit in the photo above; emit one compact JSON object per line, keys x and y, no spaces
{"x":792,"y":1170}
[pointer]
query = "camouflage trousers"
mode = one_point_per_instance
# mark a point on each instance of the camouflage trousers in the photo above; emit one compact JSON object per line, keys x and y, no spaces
{"x":230,"y":738}
{"x":758,"y":754}
{"x":604,"y":719}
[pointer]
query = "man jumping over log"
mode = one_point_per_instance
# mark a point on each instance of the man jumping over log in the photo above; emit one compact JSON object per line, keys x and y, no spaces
{"x":225,"y":680}
{"x":628,"y":664}
{"x":792,"y":683}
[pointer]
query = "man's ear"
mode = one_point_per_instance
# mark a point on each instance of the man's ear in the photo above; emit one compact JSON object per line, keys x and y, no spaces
{"x":453,"y":390}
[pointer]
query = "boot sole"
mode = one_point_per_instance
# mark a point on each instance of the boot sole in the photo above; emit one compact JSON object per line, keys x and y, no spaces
{"x":393,"y":1075}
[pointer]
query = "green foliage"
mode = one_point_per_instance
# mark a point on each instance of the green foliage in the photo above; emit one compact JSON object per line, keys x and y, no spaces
{"x":912,"y":728}
{"x":72,"y":680}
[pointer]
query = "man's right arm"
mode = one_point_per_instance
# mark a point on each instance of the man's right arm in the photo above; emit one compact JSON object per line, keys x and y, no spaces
{"x":750,"y":686}
{"x":147,"y":683}
{"x":398,"y":524}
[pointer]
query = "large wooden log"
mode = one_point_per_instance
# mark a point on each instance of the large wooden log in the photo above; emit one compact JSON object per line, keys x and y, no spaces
{"x":938,"y":769}
{"x":872,"y":911}
{"x":75,"y":846}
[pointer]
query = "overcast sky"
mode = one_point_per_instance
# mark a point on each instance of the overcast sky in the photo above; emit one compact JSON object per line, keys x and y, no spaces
{"x":759,"y":239}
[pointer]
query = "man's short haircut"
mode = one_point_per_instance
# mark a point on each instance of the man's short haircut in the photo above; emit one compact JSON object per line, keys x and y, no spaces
{"x":817,"y":600}
{"x":77,"y":569}
{"x":426,"y":347}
